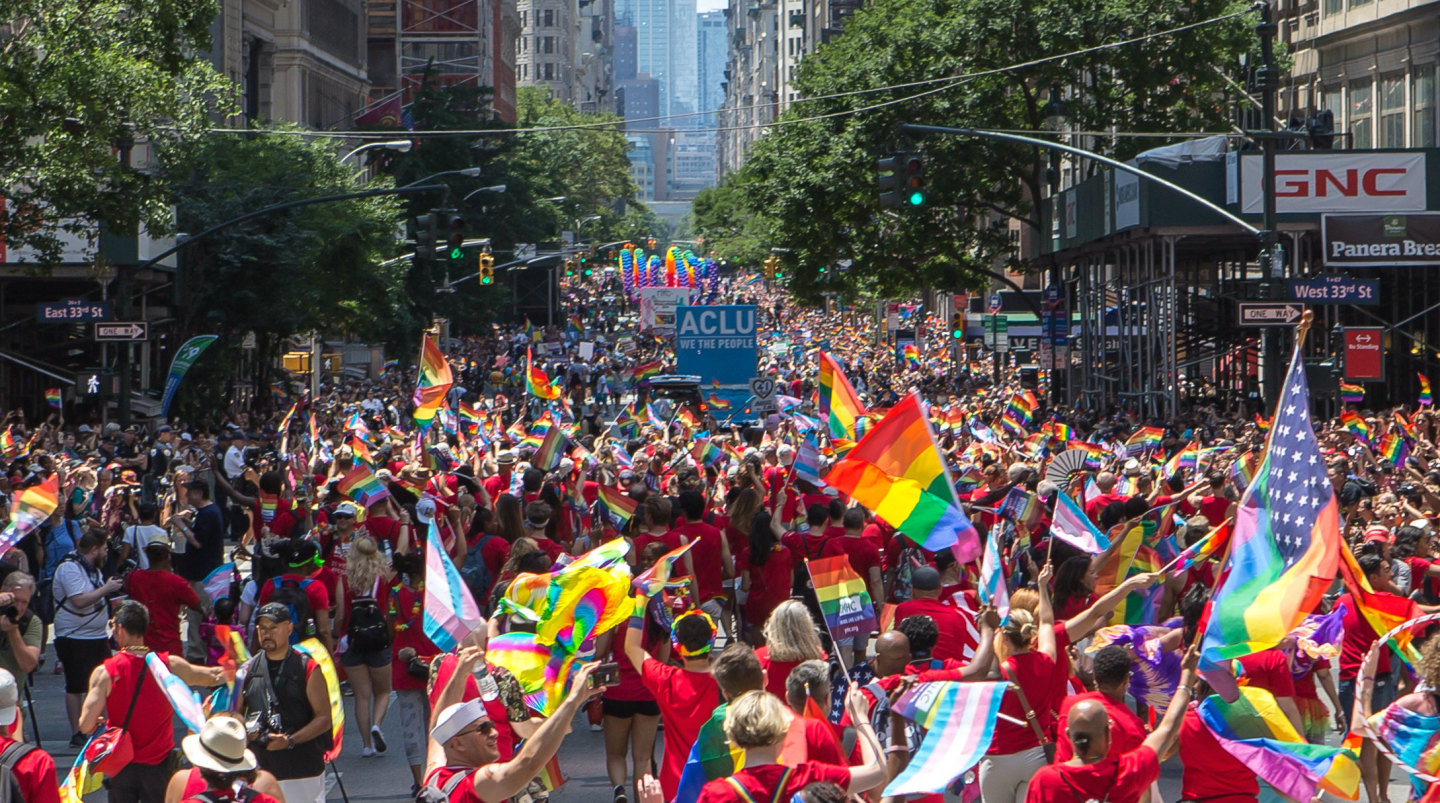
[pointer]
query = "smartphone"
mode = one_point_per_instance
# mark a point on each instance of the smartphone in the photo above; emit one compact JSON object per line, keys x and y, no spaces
{"x":607,"y":674}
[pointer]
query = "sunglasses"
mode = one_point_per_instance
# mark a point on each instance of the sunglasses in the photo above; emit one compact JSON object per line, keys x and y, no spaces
{"x":484,"y":728}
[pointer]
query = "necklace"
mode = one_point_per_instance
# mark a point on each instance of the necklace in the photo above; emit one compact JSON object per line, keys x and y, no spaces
{"x":417,"y":605}
{"x":135,"y":650}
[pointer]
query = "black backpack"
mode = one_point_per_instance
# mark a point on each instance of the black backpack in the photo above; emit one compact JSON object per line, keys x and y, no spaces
{"x":367,"y":629}
{"x":800,"y":585}
{"x":476,"y":574}
{"x":10,"y":791}
{"x":430,"y":793}
{"x":291,"y":593}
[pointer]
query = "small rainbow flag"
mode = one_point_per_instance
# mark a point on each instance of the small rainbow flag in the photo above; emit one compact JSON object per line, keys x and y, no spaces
{"x":537,"y":382}
{"x":1394,"y":449}
{"x":363,"y":486}
{"x":706,"y":453}
{"x":390,"y":365}
{"x":1211,"y":545}
{"x":362,"y":452}
{"x":1145,"y":439}
{"x":52,"y":396}
{"x":911,"y":355}
{"x":656,"y":578}
{"x":551,"y":451}
{"x":1262,"y":423}
{"x":617,"y":505}
{"x":844,"y":599}
{"x":435,"y":382}
{"x":1356,"y":425}
{"x":839,"y":405}
{"x":8,"y":446}
{"x":1352,"y":394}
{"x":717,"y":402}
{"x":1425,"y":398}
{"x":645,"y":370}
{"x":32,"y":507}
{"x":285,"y":422}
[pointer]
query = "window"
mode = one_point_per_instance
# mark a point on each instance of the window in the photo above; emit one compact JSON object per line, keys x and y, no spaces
{"x":549,"y":71}
{"x":1357,"y":3}
{"x":1359,"y":121}
{"x":1333,"y":7}
{"x":549,"y":18}
{"x":1330,"y":99}
{"x":549,"y":45}
{"x":1422,"y":98}
{"x":524,"y":19}
{"x":1392,"y":110}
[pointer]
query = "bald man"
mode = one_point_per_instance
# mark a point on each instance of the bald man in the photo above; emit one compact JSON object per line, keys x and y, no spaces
{"x":1093,"y":773}
{"x":1105,"y":483}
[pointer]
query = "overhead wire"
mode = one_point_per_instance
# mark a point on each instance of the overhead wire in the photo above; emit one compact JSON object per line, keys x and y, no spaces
{"x":948,"y":81}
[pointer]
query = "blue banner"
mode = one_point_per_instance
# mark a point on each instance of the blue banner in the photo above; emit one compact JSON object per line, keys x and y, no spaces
{"x":717,"y":344}
{"x":184,"y":358}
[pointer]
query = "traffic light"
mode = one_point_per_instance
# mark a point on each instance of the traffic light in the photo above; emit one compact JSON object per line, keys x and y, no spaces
{"x":426,"y":231}
{"x":487,"y":268}
{"x":456,"y":239}
{"x":914,"y":180}
{"x":650,"y":244}
{"x":569,"y":266}
{"x":901,"y":180}
{"x":957,"y":325}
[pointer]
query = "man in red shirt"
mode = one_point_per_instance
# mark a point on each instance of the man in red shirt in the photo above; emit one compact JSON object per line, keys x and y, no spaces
{"x":687,"y":695}
{"x":1096,"y":772}
{"x":164,"y":593}
{"x":1112,"y":678}
{"x":499,"y":482}
{"x":1105,"y":482}
{"x":33,"y":768}
{"x":865,"y":560}
{"x":123,"y":692}
{"x":958,"y":633}
{"x":710,"y":555}
{"x":303,"y":561}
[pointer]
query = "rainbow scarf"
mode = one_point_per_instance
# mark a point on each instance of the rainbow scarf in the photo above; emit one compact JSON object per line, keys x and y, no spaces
{"x":321,"y":657}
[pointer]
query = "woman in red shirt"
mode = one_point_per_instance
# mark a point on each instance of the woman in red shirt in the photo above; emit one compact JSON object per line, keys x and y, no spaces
{"x":407,"y":615}
{"x":790,"y":640}
{"x":756,"y":722}
{"x":1074,"y":587}
{"x":367,"y":665}
{"x":766,"y":573}
{"x":1025,"y":647}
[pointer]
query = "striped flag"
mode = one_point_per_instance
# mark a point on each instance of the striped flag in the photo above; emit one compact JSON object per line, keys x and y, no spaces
{"x":363,"y":486}
{"x":1072,"y":526}
{"x":185,"y":701}
{"x":654,"y":579}
{"x":1212,"y":544}
{"x":30,"y":509}
{"x":844,"y":600}
{"x":993,"y":590}
{"x":217,"y":583}
{"x":807,"y":462}
{"x":551,"y":451}
{"x":617,"y":505}
{"x":450,"y":611}
{"x":959,"y":719}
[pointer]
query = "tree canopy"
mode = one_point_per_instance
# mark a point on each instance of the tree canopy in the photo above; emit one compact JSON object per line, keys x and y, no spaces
{"x":808,"y":187}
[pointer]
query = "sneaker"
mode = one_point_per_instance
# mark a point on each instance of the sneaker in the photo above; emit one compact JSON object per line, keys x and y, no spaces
{"x":595,"y":728}
{"x":79,"y":740}
{"x":620,"y":796}
{"x":368,"y":752}
{"x":378,"y":738}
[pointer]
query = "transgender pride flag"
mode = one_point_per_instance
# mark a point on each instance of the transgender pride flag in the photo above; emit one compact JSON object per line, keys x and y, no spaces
{"x":960,"y":722}
{"x":993,"y":590}
{"x":450,"y":610}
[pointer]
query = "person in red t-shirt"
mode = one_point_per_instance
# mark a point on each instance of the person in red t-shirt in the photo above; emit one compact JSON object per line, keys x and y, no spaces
{"x":302,"y":563}
{"x":766,"y":575}
{"x":221,"y":761}
{"x":164,"y":593}
{"x":499,"y":482}
{"x":1270,"y":670}
{"x":710,"y":556}
{"x":1112,"y":679}
{"x":654,"y":515}
{"x":958,"y":633}
{"x":756,"y":722}
{"x":791,"y":638}
{"x":1105,"y":482}
{"x":807,"y":693}
{"x":1208,"y":771}
{"x":687,"y":695}
{"x":121,"y":687}
{"x":34,"y":769}
{"x":1096,"y":772}
{"x":1025,"y":648}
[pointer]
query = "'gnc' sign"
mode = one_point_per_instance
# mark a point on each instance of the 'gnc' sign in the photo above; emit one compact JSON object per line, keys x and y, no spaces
{"x":1338,"y":181}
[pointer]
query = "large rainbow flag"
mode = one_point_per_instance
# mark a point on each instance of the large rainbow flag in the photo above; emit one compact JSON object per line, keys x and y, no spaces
{"x":840,"y":405}
{"x":1285,"y":545}
{"x":1256,"y":731}
{"x":435,"y":382}
{"x":844,"y":599}
{"x":897,"y":471}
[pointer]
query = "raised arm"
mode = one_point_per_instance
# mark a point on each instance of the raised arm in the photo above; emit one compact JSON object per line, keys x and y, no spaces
{"x":1088,"y":621}
{"x":1164,"y":736}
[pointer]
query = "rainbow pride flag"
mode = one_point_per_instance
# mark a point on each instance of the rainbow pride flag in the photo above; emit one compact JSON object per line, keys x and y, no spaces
{"x":1211,"y":545}
{"x":1144,"y":440}
{"x":52,"y":397}
{"x":897,"y":471}
{"x":844,"y":600}
{"x":551,"y":451}
{"x":363,"y":486}
{"x":537,"y":382}
{"x":717,"y":402}
{"x":435,"y":382}
{"x":30,"y":509}
{"x":1354,"y":424}
{"x":1425,"y":398}
{"x":911,"y":354}
{"x":1393,"y":448}
{"x":1256,"y":731}
{"x":616,"y":504}
{"x":1352,"y":394}
{"x":706,"y":453}
{"x":659,"y":576}
{"x":840,"y":405}
{"x":646,"y":370}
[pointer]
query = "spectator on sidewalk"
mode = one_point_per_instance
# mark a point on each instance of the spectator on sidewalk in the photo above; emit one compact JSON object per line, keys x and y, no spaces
{"x":80,"y":617}
{"x":33,"y":768}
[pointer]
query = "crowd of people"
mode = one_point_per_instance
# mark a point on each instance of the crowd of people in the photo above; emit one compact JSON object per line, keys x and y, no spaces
{"x":240,"y":556}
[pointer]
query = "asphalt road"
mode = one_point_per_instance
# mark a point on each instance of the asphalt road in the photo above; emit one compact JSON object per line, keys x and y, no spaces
{"x":387,"y":777}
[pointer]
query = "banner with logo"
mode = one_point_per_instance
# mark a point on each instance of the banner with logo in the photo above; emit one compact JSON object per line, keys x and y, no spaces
{"x":717,"y":344}
{"x":1332,"y":181}
{"x":184,"y":358}
{"x":1381,"y":241}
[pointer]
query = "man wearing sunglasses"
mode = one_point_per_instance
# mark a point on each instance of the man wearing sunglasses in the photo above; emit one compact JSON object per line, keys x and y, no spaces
{"x":461,"y":759}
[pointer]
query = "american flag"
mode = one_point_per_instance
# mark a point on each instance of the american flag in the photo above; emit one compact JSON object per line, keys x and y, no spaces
{"x":1297,"y":482}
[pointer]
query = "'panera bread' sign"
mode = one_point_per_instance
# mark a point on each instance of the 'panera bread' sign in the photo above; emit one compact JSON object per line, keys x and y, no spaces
{"x":1381,"y":241}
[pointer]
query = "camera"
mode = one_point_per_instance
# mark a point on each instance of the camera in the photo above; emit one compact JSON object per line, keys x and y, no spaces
{"x":10,"y":612}
{"x":259,"y":726}
{"x":607,"y":674}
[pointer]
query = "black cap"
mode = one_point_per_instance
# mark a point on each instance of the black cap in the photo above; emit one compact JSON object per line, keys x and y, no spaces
{"x":273,"y":611}
{"x":303,"y":553}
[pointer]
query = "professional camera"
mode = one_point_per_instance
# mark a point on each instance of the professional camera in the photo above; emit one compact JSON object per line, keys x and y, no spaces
{"x":259,"y":726}
{"x":11,"y":612}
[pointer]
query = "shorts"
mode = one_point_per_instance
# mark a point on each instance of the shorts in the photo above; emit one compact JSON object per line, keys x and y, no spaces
{"x":375,"y":659}
{"x":80,"y":656}
{"x":625,"y":709}
{"x":1384,"y":693}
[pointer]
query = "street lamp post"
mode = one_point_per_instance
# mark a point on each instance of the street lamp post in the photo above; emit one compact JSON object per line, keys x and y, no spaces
{"x":494,"y":188}
{"x":468,"y":172}
{"x":397,"y":145}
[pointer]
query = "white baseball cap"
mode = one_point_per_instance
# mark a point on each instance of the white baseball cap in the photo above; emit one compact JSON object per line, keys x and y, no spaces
{"x":456,"y":718}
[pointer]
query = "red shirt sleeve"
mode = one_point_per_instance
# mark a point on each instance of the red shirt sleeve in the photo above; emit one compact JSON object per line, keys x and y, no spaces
{"x":1268,"y":670}
{"x":36,"y":774}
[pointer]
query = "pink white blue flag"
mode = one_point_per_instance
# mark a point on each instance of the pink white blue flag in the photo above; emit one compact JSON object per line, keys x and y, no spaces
{"x":1072,"y":526}
{"x":186,"y":702}
{"x":807,"y":462}
{"x":450,"y":611}
{"x":993,"y":590}
{"x":960,"y":722}
{"x":217,"y":583}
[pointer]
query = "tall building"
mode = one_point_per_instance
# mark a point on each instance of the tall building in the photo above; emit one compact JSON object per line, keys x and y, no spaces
{"x":301,"y":61}
{"x":752,"y":95}
{"x":546,"y":53}
{"x":458,"y":42}
{"x":692,"y":163}
{"x":662,"y":27}
{"x":710,"y":55}
{"x":594,"y":51}
{"x":1371,"y":64}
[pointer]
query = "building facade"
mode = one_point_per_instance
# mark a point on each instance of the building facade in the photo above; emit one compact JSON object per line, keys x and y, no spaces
{"x":595,"y":55}
{"x":546,"y":52}
{"x":710,"y":55}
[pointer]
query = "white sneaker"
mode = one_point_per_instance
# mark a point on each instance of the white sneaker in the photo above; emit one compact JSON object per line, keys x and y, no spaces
{"x":369,"y":752}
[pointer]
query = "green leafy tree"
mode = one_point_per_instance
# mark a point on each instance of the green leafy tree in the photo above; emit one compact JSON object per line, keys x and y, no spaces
{"x":316,"y":268}
{"x":79,"y":78}
{"x":810,"y":185}
{"x":725,"y":217}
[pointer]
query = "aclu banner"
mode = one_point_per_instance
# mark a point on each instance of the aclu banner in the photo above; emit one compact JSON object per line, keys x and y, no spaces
{"x":1381,"y":241}
{"x":717,"y":344}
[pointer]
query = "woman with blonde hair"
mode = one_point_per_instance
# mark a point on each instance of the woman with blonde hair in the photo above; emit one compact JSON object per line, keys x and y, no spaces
{"x":367,"y":659}
{"x":791,"y":639}
{"x":756,"y":722}
{"x":1025,"y":649}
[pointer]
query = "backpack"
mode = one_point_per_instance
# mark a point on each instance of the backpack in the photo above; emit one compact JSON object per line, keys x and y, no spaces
{"x":430,"y":793}
{"x":291,"y":593}
{"x":476,"y":574}
{"x":800,"y":585}
{"x":897,"y":578}
{"x":10,"y":790}
{"x":367,"y":629}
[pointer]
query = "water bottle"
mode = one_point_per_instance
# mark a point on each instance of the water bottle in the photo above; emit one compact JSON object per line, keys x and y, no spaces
{"x":489,"y":689}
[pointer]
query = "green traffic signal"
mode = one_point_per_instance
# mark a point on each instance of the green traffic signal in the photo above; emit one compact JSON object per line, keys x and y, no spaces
{"x":487,"y":279}
{"x":957,"y":334}
{"x":917,"y":198}
{"x":457,"y":252}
